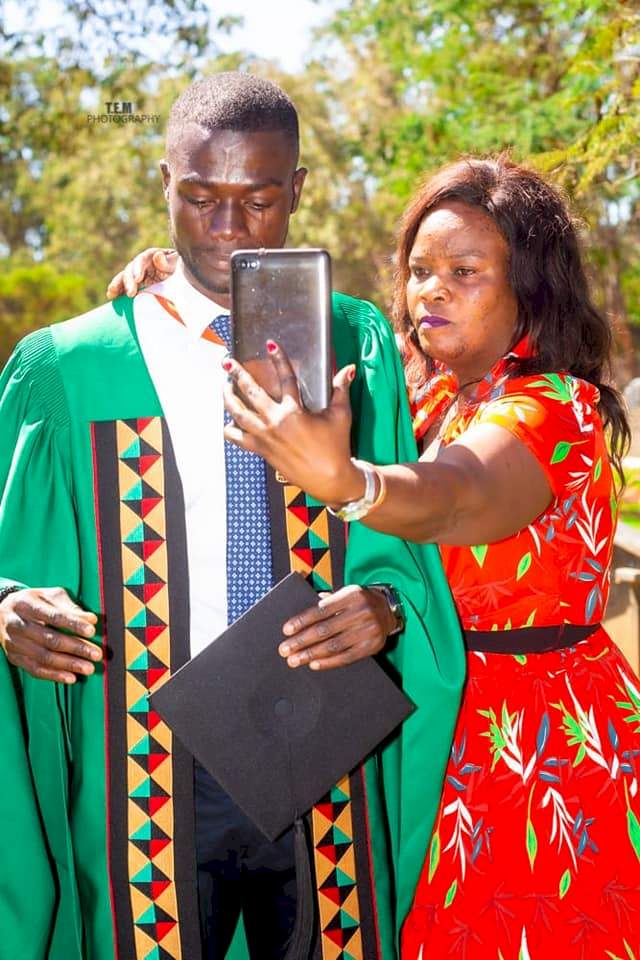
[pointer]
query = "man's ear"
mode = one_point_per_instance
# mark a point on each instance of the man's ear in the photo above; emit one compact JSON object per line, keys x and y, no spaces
{"x":166,"y":178}
{"x":298,"y":182}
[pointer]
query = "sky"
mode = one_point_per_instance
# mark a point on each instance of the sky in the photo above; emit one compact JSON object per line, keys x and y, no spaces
{"x":280,"y":29}
{"x":275,"y":29}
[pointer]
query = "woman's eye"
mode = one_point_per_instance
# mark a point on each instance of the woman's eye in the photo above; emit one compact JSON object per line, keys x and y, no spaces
{"x":419,"y":272}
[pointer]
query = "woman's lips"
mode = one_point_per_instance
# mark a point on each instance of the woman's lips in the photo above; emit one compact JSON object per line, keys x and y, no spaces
{"x":431,"y":321}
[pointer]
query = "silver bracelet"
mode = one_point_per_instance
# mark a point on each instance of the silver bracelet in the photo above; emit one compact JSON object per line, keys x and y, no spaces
{"x":357,"y":509}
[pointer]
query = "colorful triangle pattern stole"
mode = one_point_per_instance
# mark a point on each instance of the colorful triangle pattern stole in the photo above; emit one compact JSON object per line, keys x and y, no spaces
{"x":306,"y":538}
{"x":142,"y":549}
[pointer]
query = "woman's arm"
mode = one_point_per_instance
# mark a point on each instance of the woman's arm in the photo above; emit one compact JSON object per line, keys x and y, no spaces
{"x":484,"y":487}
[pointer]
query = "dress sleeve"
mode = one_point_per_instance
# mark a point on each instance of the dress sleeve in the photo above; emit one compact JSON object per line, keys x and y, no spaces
{"x":38,"y":529}
{"x":555,"y":416}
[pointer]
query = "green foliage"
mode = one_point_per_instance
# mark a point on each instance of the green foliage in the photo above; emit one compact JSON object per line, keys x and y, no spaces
{"x":35,"y":295}
{"x":392,"y":89}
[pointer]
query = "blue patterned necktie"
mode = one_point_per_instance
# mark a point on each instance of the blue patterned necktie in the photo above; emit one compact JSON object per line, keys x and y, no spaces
{"x":249,"y":571}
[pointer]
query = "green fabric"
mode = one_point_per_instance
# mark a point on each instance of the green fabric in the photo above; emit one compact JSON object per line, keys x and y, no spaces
{"x":429,"y":658}
{"x":54,"y":902}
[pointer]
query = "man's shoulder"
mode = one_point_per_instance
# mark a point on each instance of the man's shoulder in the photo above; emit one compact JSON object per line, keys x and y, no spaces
{"x":103,"y":327}
{"x":354,"y":318}
{"x":353,"y":310}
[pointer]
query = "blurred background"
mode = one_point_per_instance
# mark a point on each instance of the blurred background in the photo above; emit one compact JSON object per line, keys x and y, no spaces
{"x":387,"y":91}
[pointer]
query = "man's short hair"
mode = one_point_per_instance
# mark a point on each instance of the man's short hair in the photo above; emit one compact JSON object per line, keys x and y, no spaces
{"x":233,"y":101}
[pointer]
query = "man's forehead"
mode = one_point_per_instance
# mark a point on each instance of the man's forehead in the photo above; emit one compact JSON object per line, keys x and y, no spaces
{"x":232,"y":156}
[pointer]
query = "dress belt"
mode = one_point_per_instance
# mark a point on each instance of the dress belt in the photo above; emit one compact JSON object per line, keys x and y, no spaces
{"x":528,"y":639}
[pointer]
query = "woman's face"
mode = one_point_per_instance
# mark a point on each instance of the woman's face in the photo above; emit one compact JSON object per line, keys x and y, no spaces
{"x":458,"y":294}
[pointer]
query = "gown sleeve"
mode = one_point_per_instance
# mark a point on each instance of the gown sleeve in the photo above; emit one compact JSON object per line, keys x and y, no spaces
{"x":428,"y":657}
{"x":38,"y":548}
{"x":38,"y":530}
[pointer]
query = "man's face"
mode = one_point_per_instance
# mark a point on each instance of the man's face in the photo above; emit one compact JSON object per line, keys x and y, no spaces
{"x":228,"y":190}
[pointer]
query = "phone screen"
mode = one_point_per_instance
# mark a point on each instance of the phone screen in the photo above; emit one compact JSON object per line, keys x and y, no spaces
{"x":284,"y":295}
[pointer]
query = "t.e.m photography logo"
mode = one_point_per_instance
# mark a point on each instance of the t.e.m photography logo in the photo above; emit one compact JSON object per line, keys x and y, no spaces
{"x":122,"y":111}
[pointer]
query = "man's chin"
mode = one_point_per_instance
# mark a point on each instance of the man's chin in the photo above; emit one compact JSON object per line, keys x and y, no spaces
{"x":212,"y":281}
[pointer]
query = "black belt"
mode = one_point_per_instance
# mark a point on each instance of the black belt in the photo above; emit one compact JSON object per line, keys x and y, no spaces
{"x":528,"y":639}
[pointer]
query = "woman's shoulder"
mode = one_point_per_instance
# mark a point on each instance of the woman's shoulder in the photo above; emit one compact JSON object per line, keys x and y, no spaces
{"x":549,"y":389}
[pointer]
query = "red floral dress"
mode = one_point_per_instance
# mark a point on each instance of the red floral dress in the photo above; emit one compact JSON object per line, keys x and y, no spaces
{"x":536,"y":849}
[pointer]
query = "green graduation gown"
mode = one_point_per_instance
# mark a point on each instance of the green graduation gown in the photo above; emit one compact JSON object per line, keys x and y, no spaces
{"x":97,"y":859}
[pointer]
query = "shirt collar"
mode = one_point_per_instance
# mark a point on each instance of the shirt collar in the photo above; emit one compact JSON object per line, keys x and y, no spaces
{"x":196,"y":311}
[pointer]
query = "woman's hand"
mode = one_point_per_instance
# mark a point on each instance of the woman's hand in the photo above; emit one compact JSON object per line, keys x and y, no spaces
{"x":312,"y":450}
{"x":150,"y":266}
{"x":348,"y":625}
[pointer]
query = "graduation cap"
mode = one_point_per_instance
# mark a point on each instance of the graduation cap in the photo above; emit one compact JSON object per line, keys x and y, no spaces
{"x":275,"y":738}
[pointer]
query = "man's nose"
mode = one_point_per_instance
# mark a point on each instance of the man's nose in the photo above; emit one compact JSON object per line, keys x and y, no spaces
{"x":227,"y":220}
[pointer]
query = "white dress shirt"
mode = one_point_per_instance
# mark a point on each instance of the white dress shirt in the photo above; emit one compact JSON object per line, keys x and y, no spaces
{"x":187,"y":373}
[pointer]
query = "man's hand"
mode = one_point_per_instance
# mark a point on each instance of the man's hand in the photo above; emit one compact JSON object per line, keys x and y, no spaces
{"x":31,"y":625}
{"x":150,"y":266}
{"x":348,"y":625}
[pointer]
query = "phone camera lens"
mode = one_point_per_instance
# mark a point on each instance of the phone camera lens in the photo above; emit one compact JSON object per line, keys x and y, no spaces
{"x":243,"y":264}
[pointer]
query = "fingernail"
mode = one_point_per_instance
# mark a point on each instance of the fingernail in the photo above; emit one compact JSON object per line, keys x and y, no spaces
{"x":88,"y":631}
{"x":272,"y":346}
{"x":69,"y":680}
{"x":94,"y":653}
{"x":314,"y":665}
{"x":293,"y":661}
{"x":227,"y":365}
{"x":352,"y":374}
{"x":284,"y":649}
{"x":287,"y":629}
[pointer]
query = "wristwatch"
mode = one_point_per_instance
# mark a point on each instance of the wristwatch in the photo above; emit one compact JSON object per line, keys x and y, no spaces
{"x":6,"y":591}
{"x":394,"y":601}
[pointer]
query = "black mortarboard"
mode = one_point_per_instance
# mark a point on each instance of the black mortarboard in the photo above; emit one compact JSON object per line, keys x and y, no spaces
{"x":275,"y":738}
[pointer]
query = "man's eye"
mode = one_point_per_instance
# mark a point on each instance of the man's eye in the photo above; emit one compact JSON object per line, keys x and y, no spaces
{"x":465,"y":271}
{"x":197,"y":202}
{"x":258,"y":205}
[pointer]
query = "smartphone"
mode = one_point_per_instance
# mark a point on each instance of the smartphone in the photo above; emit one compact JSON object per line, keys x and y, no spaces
{"x":284,"y":295}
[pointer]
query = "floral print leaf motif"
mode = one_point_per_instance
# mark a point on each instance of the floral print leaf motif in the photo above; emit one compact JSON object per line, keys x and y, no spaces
{"x":479,"y":552}
{"x":463,"y":828}
{"x":505,"y":739}
{"x":562,"y":822}
{"x":543,"y":734}
{"x":556,"y":387}
{"x":565,"y":883}
{"x":434,"y":854}
{"x":582,"y":729}
{"x":524,"y":948}
{"x":532,"y":840}
{"x":633,"y":826}
{"x":451,"y":892}
{"x":561,"y":451}
{"x":630,"y":955}
{"x":523,"y":566}
{"x":633,"y":704}
{"x":597,"y":470}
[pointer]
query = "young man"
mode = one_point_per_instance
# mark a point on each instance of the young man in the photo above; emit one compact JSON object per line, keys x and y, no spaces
{"x":119,"y":495}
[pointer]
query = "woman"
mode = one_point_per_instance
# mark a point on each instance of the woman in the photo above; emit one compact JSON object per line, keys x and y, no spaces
{"x":536,"y":850}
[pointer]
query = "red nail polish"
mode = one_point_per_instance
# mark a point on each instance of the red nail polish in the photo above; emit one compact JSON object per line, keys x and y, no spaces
{"x":227,"y":365}
{"x":352,"y":374}
{"x":272,"y":346}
